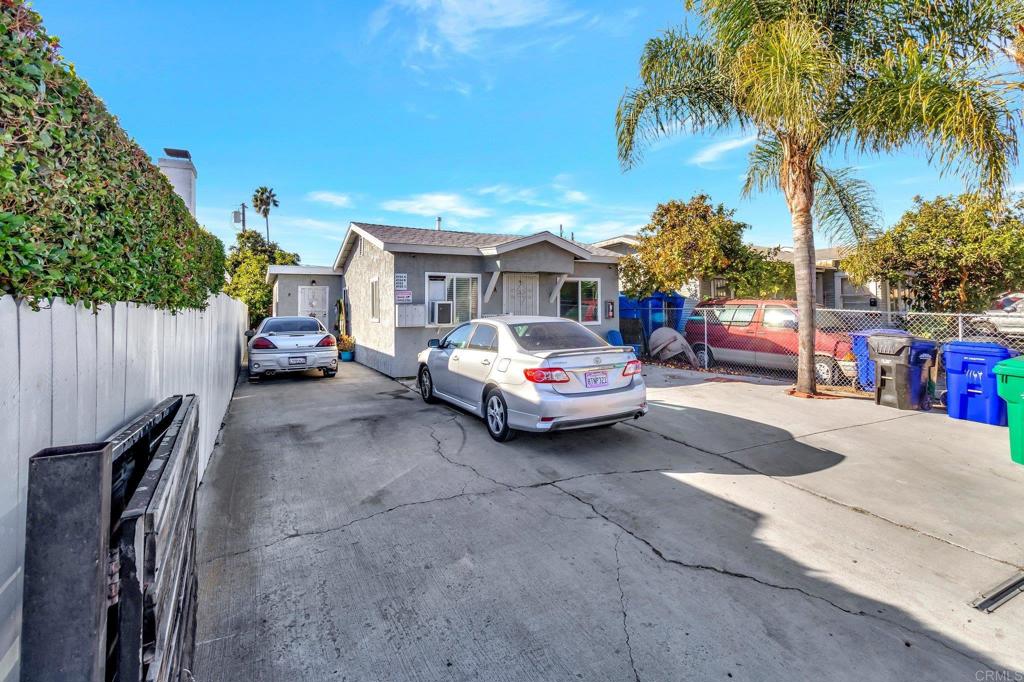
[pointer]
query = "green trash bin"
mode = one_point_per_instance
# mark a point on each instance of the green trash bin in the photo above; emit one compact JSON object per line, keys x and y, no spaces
{"x":1011,"y":389}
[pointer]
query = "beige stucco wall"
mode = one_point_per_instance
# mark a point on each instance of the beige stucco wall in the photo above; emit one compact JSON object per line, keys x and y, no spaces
{"x":375,"y":341}
{"x":286,"y":294}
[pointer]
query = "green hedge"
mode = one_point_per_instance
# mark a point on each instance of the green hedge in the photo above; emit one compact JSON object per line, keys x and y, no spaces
{"x":84,"y":214}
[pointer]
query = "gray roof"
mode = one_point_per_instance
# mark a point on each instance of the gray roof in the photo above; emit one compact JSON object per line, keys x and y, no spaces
{"x":394,"y":234}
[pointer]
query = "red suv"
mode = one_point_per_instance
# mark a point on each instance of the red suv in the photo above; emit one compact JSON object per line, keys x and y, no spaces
{"x":763,"y":333}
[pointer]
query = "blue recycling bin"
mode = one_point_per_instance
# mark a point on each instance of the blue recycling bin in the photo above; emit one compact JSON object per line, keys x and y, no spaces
{"x":674,"y":311}
{"x":652,"y":313}
{"x":971,"y":385}
{"x":865,"y":365}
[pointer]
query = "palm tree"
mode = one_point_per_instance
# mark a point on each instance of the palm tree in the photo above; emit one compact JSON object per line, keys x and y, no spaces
{"x":264,"y":199}
{"x":814,"y":78}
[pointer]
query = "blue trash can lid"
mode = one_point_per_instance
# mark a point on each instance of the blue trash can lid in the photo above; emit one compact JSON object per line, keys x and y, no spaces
{"x":984,"y":348}
{"x":874,"y":332}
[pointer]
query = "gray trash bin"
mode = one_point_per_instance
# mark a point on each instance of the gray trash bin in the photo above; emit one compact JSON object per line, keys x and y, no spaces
{"x":901,"y":370}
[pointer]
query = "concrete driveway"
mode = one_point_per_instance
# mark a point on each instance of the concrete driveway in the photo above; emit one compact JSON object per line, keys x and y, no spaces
{"x":352,"y":532}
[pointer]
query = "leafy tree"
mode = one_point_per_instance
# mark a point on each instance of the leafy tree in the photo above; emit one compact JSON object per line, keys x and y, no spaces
{"x":953,"y":254}
{"x":264,"y":199}
{"x":691,"y":240}
{"x":247,"y":263}
{"x":815,"y":77}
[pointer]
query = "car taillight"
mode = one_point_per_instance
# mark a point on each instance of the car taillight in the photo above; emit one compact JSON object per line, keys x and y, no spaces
{"x":546,"y":375}
{"x":326,"y":342}
{"x":261,"y":343}
{"x":632,"y":367}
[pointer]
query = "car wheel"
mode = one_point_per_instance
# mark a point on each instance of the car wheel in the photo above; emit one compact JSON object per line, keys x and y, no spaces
{"x":705,"y":358}
{"x":826,"y":371}
{"x":426,"y":384}
{"x":496,"y":416}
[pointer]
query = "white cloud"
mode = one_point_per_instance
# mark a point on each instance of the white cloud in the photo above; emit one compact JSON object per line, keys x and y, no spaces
{"x":713,"y":152}
{"x":575,"y":196}
{"x":436,"y":204}
{"x":537,"y":222}
{"x":508,"y":194}
{"x":603,"y":229}
{"x":460,"y":24}
{"x":333,"y":198}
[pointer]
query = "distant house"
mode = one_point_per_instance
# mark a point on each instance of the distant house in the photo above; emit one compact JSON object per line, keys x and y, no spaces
{"x":306,"y":290}
{"x":406,"y":285}
{"x":833,"y":287}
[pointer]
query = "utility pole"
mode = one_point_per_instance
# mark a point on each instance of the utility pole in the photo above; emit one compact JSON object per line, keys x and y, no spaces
{"x":239,"y":216}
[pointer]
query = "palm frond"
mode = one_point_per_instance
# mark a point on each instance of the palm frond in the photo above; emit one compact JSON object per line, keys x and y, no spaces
{"x":787,"y":77}
{"x":915,"y":97}
{"x":765,"y":164}
{"x":732,"y":21}
{"x":683,"y":85}
{"x":844,"y":206}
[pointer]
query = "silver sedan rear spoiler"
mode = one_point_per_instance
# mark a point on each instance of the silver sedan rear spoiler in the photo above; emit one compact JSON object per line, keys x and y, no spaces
{"x":547,"y":354}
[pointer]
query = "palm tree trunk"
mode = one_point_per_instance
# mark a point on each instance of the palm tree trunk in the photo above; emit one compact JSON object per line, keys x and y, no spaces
{"x":798,"y":186}
{"x":267,"y":218}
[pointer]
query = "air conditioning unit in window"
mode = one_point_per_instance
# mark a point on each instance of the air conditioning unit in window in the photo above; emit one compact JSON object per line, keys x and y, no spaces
{"x":443,"y":313}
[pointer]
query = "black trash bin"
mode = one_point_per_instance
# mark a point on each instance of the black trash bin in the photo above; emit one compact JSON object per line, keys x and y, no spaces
{"x":901,"y":370}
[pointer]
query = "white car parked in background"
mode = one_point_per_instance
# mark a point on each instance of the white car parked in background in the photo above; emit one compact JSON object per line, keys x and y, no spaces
{"x":533,"y":374}
{"x":291,"y":344}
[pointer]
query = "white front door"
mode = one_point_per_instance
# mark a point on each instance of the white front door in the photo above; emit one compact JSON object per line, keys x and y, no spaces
{"x":520,"y":293}
{"x":313,"y":303}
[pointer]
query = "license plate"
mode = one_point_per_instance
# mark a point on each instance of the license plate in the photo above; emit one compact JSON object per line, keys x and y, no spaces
{"x":596,"y":379}
{"x":297,"y":361}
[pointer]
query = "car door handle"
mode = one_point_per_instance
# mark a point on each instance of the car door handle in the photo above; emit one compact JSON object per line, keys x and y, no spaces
{"x":485,"y":361}
{"x":455,"y":358}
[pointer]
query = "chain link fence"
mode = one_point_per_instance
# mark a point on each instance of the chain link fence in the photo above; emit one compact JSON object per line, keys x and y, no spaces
{"x":761,"y":339}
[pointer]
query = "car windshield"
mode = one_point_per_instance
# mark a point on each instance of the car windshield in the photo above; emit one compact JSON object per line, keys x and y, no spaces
{"x":554,"y":336}
{"x":294,"y":325}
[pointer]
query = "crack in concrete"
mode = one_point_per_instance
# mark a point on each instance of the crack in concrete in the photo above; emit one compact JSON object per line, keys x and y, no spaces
{"x":325,"y":531}
{"x":822,"y":496}
{"x":622,"y":604}
{"x":439,"y":451}
{"x":787,"y":588}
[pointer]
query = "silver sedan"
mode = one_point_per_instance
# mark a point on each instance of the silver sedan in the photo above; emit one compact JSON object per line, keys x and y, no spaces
{"x":291,"y":344}
{"x":533,"y":374}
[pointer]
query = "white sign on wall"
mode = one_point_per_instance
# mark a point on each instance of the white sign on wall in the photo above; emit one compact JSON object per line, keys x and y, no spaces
{"x":401,"y":280}
{"x":403,"y":296}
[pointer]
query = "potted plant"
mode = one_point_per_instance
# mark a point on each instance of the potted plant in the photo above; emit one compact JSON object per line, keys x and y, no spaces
{"x":346,"y":348}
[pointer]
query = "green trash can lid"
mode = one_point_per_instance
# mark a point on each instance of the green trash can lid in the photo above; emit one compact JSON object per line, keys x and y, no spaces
{"x":1014,"y":367}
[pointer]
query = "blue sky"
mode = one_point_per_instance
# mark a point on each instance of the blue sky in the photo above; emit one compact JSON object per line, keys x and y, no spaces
{"x":497,"y":115}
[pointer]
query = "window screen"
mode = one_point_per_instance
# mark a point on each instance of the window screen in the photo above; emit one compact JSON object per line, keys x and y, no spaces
{"x":463,"y":291}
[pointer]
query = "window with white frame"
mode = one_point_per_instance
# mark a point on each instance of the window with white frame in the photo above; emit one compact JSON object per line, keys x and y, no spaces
{"x":462,"y":289}
{"x":375,"y":300}
{"x":580,"y":300}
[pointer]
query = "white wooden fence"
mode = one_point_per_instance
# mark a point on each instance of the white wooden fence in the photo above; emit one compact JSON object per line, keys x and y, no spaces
{"x":73,"y":375}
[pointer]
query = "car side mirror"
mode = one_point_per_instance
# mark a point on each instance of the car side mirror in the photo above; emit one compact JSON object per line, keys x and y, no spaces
{"x":434,"y":343}
{"x":792,"y":324}
{"x":249,"y":333}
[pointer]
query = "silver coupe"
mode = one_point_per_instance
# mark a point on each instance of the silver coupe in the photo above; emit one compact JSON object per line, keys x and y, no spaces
{"x":533,"y":374}
{"x":291,"y":344}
